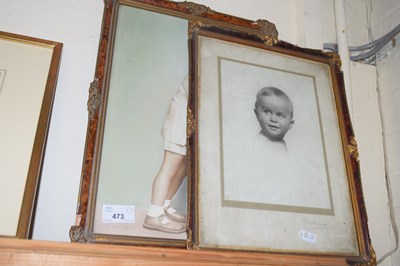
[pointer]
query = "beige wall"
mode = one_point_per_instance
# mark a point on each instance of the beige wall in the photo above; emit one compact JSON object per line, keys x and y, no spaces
{"x":385,"y":15}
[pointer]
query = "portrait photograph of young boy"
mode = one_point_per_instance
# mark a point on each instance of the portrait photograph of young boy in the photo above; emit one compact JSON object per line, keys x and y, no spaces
{"x":274,"y":111}
{"x":270,"y":163}
{"x":273,"y":154}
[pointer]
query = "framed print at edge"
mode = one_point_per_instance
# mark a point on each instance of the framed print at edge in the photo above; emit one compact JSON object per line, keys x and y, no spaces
{"x":275,"y":160}
{"x":28,"y":77}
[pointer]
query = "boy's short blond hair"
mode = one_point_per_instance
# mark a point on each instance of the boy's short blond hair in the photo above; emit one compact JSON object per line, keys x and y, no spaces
{"x":268,"y":91}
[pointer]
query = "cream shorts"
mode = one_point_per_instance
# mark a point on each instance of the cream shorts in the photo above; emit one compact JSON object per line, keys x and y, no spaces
{"x":173,"y":147}
{"x":174,"y":126}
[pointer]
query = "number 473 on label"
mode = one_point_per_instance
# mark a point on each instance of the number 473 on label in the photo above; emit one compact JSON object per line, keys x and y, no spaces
{"x":118,"y":214}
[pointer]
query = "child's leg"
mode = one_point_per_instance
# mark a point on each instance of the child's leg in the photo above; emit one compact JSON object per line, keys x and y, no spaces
{"x":171,"y":167}
{"x":177,"y":180}
{"x":173,"y":188}
{"x":169,"y":177}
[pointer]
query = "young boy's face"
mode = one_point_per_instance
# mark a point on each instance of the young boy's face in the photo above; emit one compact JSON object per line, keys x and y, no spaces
{"x":274,"y":113}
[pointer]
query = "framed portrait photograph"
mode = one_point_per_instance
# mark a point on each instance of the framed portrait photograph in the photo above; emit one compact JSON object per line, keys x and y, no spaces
{"x":273,"y":161}
{"x":28,"y":77}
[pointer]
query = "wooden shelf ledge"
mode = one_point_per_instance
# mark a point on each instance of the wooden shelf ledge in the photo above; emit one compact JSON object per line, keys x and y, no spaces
{"x":35,"y":252}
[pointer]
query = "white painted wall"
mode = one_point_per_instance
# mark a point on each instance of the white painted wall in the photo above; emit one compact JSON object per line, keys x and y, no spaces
{"x":389,"y":89}
{"x":77,"y":24}
{"x":385,"y":15}
{"x":368,"y":130}
{"x":366,"y":123}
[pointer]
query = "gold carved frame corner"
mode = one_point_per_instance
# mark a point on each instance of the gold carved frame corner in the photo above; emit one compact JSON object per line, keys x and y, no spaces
{"x":94,"y":98}
{"x":353,"y":149}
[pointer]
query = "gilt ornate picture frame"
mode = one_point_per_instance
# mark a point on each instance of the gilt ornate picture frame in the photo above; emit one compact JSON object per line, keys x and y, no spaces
{"x":275,"y":163}
{"x":28,"y":77}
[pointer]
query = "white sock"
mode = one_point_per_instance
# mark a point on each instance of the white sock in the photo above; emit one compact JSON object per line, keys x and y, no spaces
{"x":167,"y":203}
{"x":155,"y":210}
{"x":170,"y":210}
